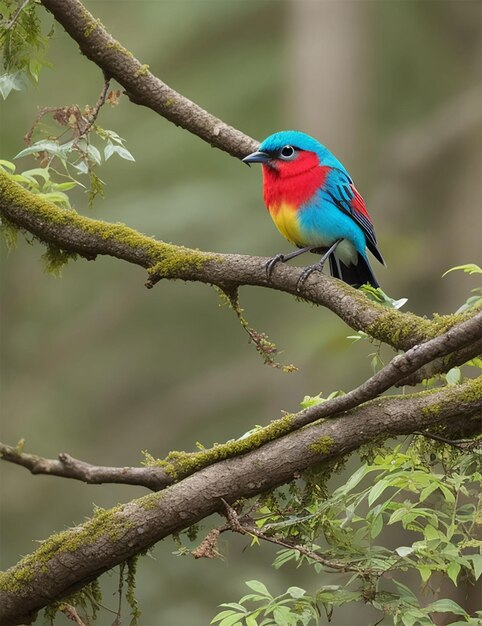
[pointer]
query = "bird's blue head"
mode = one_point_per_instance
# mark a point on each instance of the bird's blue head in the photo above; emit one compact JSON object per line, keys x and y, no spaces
{"x":286,"y":145}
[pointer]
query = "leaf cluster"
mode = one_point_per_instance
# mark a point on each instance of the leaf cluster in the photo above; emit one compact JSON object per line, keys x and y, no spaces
{"x":429,"y":494}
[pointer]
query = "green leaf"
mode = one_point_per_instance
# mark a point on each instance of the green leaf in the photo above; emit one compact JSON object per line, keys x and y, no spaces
{"x":469,"y":268}
{"x":477,"y":561}
{"x":446,"y":606}
{"x":110,"y":149}
{"x":220,"y":616}
{"x":425,"y":572}
{"x":251,"y":620}
{"x":296,"y":592}
{"x":352,"y":481}
{"x":430,"y":532}
{"x":453,"y":376}
{"x":426,"y":491}
{"x":453,"y":571}
{"x":66,"y":186}
{"x":234,"y":620}
{"x":11,"y":82}
{"x":44,"y":145}
{"x":93,"y":154}
{"x":43,"y":172}
{"x":397,"y":515}
{"x":449,"y":496}
{"x":376,"y":526}
{"x":377,"y":490}
{"x":6,"y":165}
{"x":258,"y":586}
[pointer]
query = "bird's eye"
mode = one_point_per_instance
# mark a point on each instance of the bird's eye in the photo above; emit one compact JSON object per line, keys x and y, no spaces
{"x":287,"y":152}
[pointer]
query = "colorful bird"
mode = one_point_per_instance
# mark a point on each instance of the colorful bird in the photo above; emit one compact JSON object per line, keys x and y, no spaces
{"x":315,"y":206}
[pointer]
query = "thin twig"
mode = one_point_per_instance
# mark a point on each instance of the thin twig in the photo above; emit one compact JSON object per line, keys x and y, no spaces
{"x":234,"y":524}
{"x":16,"y":15}
{"x":460,"y":444}
{"x":91,"y":117}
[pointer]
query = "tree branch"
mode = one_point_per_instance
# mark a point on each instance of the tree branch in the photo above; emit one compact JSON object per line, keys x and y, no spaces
{"x":76,"y":234}
{"x":66,"y":466}
{"x":74,"y":557}
{"x":243,"y":528}
{"x":181,"y":464}
{"x":141,"y":86}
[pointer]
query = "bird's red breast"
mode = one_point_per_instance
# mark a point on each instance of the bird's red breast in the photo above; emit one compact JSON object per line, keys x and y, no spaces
{"x":292,"y":182}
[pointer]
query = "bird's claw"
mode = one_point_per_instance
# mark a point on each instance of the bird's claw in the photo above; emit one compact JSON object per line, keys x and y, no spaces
{"x":279,"y":258}
{"x":317,"y":267}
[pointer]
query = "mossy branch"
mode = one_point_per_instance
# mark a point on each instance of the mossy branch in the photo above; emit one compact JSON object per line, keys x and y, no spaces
{"x":75,"y":234}
{"x":70,"y":559}
{"x":179,"y":465}
{"x":140,"y":84}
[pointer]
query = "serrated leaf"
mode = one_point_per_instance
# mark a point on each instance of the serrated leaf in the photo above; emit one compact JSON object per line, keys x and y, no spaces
{"x":446,"y":605}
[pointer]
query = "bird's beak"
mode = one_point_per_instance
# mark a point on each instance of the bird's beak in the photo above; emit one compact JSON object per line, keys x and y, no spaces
{"x":257,"y":157}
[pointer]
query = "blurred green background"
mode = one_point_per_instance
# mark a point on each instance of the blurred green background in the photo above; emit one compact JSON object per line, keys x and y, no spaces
{"x":95,"y":365}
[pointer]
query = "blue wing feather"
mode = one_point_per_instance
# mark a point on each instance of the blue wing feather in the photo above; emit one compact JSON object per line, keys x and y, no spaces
{"x":339,"y":186}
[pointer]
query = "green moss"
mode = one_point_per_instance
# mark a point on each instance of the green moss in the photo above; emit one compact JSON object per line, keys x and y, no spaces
{"x":472,"y":391}
{"x":397,"y":328}
{"x":55,"y":258}
{"x":143,"y":70}
{"x":131,"y":590}
{"x":400,"y":329}
{"x":179,"y":464}
{"x":103,"y":523}
{"x":177,"y":259}
{"x":166,"y":260}
{"x":322,"y":445}
{"x":432,"y":410}
{"x":9,"y":232}
{"x":118,"y":47}
{"x":91,"y":26}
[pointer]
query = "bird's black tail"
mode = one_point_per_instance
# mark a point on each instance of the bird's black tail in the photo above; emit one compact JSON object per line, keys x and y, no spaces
{"x":355,"y":275}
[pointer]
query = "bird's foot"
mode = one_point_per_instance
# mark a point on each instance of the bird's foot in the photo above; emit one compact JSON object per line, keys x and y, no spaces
{"x":317,"y":267}
{"x":279,"y":258}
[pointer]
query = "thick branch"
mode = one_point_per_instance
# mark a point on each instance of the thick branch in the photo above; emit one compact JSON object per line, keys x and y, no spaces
{"x":66,"y":466}
{"x":74,"y":557}
{"x":77,"y":234}
{"x":181,"y":465}
{"x":141,"y":86}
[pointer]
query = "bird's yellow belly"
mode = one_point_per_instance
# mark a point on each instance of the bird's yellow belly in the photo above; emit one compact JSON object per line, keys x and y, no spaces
{"x":285,"y":218}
